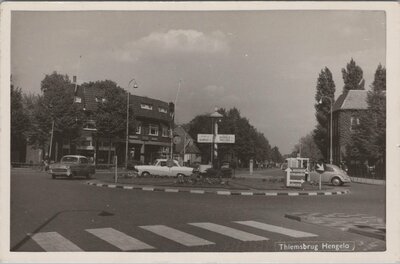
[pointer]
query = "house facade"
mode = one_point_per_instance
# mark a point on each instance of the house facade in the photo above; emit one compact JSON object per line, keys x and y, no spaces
{"x":149,"y":140}
{"x":346,"y":116}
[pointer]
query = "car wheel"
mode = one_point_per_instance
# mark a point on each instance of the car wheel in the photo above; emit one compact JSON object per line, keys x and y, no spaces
{"x":336,"y":181}
{"x":145,"y":174}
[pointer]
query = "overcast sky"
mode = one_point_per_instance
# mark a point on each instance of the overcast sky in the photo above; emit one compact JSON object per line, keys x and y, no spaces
{"x":265,"y":63}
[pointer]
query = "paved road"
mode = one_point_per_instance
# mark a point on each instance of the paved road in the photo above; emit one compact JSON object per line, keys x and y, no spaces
{"x":68,"y":215}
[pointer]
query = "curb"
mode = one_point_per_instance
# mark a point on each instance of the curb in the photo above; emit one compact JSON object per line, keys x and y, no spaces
{"x":368,"y":181}
{"x":218,"y":192}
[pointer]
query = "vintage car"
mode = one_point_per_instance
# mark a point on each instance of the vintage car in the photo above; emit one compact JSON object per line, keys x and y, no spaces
{"x":72,"y":165}
{"x":332,"y":174}
{"x":164,"y":167}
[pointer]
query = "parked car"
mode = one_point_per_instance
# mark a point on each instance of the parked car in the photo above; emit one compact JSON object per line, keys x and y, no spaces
{"x":72,"y":165}
{"x":332,"y":174}
{"x":161,"y":168}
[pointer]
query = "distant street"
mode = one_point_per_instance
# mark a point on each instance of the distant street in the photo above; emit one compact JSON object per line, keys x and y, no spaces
{"x":47,"y":215}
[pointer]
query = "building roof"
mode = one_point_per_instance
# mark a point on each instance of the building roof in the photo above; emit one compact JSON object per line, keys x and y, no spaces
{"x":91,"y":95}
{"x":353,"y":99}
{"x":191,"y":148}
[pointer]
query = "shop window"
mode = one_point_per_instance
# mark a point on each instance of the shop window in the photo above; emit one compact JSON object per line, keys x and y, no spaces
{"x":153,"y":130}
{"x":146,"y":106}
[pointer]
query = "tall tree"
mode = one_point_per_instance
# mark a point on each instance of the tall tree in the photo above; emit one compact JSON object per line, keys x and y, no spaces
{"x":276,"y":155}
{"x":110,"y":116}
{"x":19,"y":123}
{"x":352,"y":77}
{"x":249,"y":143}
{"x":56,"y":105}
{"x":368,"y":140}
{"x":325,"y":88}
{"x":307,"y":148}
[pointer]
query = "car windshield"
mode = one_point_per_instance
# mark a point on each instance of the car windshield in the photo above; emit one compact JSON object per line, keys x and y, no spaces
{"x":69,"y":159}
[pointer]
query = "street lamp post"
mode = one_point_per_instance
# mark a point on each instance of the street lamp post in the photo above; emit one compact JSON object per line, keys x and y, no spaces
{"x":127,"y":119}
{"x":330,"y":135}
{"x":215,"y":117}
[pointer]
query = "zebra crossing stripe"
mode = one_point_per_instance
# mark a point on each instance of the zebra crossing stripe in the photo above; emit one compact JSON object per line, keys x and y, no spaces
{"x":276,"y":229}
{"x":230,"y":232}
{"x":119,"y":239}
{"x":53,"y":241}
{"x":177,"y":236}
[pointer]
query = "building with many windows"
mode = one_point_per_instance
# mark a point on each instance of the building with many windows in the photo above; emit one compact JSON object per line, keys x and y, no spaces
{"x":149,"y":140}
{"x":346,"y":113}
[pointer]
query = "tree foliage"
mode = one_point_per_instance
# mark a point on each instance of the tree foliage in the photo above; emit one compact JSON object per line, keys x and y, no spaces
{"x":249,"y":143}
{"x":308,"y":148}
{"x":19,"y":118}
{"x":352,"y":77}
{"x":276,"y":155}
{"x":368,"y":140}
{"x":325,"y":88}
{"x":55,"y":104}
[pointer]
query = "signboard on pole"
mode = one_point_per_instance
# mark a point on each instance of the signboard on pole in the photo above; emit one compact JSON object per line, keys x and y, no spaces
{"x":225,"y":138}
{"x":205,"y":138}
{"x":295,"y":177}
{"x":220,"y":138}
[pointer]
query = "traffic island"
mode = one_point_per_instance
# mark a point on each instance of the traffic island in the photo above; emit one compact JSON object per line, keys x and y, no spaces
{"x":272,"y":186}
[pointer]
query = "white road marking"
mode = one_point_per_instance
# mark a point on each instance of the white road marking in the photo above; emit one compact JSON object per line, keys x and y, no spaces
{"x":224,"y":192}
{"x":53,"y":241}
{"x":197,"y":191}
{"x":246,"y":193}
{"x":276,"y":229}
{"x":171,"y":190}
{"x":177,"y":236}
{"x":231,"y":232}
{"x":119,"y":239}
{"x":271,"y":194}
{"x":293,"y":194}
{"x":148,"y":189}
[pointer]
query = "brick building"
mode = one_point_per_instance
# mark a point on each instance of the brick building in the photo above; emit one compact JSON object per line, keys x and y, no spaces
{"x":346,"y":112}
{"x":150,"y":139}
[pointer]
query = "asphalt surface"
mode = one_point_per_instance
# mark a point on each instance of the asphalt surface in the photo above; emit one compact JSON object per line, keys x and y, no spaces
{"x":69,"y":208}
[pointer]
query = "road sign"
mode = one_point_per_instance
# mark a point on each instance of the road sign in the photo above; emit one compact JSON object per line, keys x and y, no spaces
{"x":225,"y":138}
{"x":205,"y":138}
{"x":220,"y":138}
{"x":295,"y":177}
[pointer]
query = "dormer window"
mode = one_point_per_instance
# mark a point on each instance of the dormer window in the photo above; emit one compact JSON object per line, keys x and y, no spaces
{"x":77,"y":99}
{"x":162,"y":110}
{"x":146,"y":106}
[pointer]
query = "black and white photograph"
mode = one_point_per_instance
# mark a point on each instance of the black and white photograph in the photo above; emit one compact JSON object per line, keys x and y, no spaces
{"x":199,"y":128}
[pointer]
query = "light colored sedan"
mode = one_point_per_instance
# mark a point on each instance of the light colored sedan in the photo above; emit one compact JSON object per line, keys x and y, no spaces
{"x":161,"y":168}
{"x":72,"y":165}
{"x":332,"y":174}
